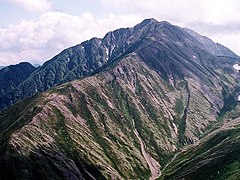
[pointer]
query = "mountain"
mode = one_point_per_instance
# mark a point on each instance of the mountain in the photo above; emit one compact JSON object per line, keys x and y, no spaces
{"x":1,"y":67}
{"x":12,"y":76}
{"x":209,"y":45}
{"x":156,"y":104}
{"x":216,"y":156}
{"x":91,"y":56}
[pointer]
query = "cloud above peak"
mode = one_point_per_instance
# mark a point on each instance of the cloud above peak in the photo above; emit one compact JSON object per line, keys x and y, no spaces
{"x":38,"y":41}
{"x":219,"y":20}
{"x":181,"y":11}
{"x":33,"y":5}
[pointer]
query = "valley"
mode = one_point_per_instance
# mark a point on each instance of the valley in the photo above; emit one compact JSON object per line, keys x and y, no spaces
{"x":155,"y":101}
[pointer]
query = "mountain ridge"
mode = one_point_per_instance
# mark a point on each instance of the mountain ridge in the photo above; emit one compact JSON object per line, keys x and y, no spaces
{"x":215,"y":48}
{"x":100,"y":94}
{"x":13,"y":75}
{"x":77,"y":62}
{"x":158,"y":96}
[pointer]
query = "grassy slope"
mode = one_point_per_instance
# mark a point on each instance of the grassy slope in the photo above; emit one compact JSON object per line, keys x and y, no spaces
{"x":216,"y":156}
{"x":88,"y":124}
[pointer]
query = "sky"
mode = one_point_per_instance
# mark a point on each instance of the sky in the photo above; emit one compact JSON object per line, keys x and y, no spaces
{"x":36,"y":30}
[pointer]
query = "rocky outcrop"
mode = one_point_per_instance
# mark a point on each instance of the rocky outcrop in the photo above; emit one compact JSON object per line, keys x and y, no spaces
{"x":174,"y":91}
{"x":160,"y":39}
{"x":87,"y":124}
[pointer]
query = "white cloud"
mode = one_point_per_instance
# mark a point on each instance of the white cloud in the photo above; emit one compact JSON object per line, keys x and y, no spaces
{"x":39,"y":41}
{"x":181,"y":11}
{"x":219,"y":20}
{"x":33,"y":5}
{"x":230,"y":40}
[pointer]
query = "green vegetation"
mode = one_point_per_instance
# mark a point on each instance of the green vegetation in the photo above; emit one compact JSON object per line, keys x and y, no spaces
{"x":230,"y":102}
{"x":17,"y":116}
{"x":231,"y":172}
{"x":179,"y":107}
{"x":221,"y":152}
{"x":69,"y":148}
{"x":86,"y":126}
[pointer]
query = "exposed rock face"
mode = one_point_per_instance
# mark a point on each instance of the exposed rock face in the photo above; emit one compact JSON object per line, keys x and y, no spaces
{"x":216,"y":156}
{"x":92,"y":56}
{"x":155,"y":75}
{"x":92,"y":120}
{"x":210,"y":46}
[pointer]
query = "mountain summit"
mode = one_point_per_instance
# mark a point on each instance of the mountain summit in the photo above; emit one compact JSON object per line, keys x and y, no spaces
{"x":152,"y":101}
{"x":93,"y":55}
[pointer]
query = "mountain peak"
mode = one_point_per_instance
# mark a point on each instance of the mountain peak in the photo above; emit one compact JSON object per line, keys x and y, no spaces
{"x":148,"y":22}
{"x":153,"y":21}
{"x":144,"y":101}
{"x":165,"y":23}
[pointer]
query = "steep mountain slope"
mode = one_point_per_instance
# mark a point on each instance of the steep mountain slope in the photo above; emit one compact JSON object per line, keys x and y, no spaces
{"x":136,"y":117}
{"x":1,"y":67}
{"x":14,"y":75}
{"x":89,"y":126}
{"x":210,"y":46}
{"x":93,"y":55}
{"x":215,"y":156}
{"x":72,"y":63}
{"x":93,"y":122}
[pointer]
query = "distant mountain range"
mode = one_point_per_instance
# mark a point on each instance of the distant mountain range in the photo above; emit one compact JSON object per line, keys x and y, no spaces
{"x":152,"y":101}
{"x":12,"y":76}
